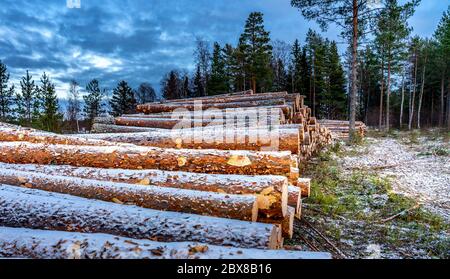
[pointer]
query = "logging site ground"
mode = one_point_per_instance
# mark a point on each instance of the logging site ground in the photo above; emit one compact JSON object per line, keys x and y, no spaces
{"x":386,"y":197}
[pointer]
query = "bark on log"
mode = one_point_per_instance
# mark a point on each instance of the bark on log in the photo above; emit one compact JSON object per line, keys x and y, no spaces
{"x":44,"y":244}
{"x":242,"y":207}
{"x":30,"y":208}
{"x":131,"y":157}
{"x":231,"y":99}
{"x":112,"y":128}
{"x":211,"y":138}
{"x":271,"y":191}
{"x":17,"y":133}
{"x":156,"y":108}
{"x":286,"y":223}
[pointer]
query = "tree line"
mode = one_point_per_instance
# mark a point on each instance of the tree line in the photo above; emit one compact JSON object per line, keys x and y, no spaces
{"x":36,"y":104}
{"x":263,"y":65}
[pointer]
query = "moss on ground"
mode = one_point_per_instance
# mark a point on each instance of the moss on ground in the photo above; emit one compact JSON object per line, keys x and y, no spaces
{"x":364,"y":196}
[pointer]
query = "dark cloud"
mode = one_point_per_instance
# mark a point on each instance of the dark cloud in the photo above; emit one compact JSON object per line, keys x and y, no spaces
{"x":135,"y":40}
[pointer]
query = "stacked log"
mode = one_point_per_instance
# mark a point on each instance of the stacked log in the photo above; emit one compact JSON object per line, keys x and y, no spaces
{"x":43,"y":244}
{"x":36,"y":209}
{"x":341,"y":128}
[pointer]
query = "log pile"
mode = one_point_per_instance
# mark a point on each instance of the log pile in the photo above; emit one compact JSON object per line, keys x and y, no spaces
{"x":147,"y":178}
{"x":340,"y":128}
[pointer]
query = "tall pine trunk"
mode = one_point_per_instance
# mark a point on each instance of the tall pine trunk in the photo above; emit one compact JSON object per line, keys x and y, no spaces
{"x":411,"y":113}
{"x":388,"y":95}
{"x":367,"y":101}
{"x":419,"y":109}
{"x":402,"y":101}
{"x":354,"y":72}
{"x":380,"y":118}
{"x":441,"y":115}
{"x":448,"y":104}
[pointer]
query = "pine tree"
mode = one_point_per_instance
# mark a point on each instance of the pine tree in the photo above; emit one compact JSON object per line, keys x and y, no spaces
{"x":171,"y":86}
{"x":280,"y":80}
{"x":50,"y":117}
{"x":336,"y":98}
{"x":93,"y":105}
{"x":198,"y":89}
{"x":122,"y":101}
{"x":27,"y":102}
{"x":391,"y":36}
{"x":442,"y":35}
{"x":255,"y":45}
{"x":145,"y":93}
{"x":296,"y":56}
{"x":6,"y":94}
{"x":217,"y":83}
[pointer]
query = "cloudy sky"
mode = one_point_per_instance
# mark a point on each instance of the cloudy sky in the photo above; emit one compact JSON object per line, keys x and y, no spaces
{"x":140,"y":40}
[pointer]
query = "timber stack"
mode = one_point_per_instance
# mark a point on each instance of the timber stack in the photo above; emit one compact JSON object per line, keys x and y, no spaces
{"x":124,"y":197}
{"x":340,"y":129}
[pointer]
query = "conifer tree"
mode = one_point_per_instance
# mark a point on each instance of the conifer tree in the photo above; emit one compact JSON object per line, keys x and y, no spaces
{"x":93,"y":101}
{"x":171,"y":86}
{"x":255,"y":46}
{"x":27,"y":101}
{"x":123,"y":100}
{"x":217,"y":83}
{"x":198,"y":89}
{"x":6,"y":94}
{"x":50,"y":117}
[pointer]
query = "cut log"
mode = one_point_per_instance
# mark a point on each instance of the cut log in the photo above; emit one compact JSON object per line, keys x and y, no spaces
{"x":271,"y":191}
{"x":230,"y":99}
{"x":130,"y":157}
{"x":17,"y":133}
{"x":30,"y":208}
{"x":211,"y":138}
{"x":242,"y":207}
{"x":155,"y":108}
{"x":286,"y":224}
{"x":43,"y":244}
{"x":112,"y":128}
{"x":164,"y":123}
{"x":295,"y":199}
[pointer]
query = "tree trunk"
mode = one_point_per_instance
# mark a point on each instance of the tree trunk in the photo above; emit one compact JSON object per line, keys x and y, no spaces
{"x":402,"y":101}
{"x":388,"y":95}
{"x":271,"y":190}
{"x":131,"y":157}
{"x":354,"y":71}
{"x":36,"y":209}
{"x":44,"y":244}
{"x":419,"y":109}
{"x":380,"y":120}
{"x":411,"y":114}
{"x":442,"y":115}
{"x":448,"y":104}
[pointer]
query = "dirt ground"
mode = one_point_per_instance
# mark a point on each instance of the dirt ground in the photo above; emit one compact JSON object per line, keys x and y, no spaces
{"x":388,"y":197}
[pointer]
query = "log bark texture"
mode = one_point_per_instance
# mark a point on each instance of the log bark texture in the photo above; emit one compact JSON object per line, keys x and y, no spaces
{"x":270,"y":190}
{"x":131,"y":157}
{"x":36,"y":209}
{"x":242,"y":207}
{"x":43,"y":244}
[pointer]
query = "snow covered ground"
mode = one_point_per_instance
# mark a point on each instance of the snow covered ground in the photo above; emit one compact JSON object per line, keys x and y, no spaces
{"x":419,"y":169}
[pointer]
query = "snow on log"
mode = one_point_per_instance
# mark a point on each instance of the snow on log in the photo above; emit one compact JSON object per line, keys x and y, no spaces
{"x":169,"y":107}
{"x":44,"y":244}
{"x":112,"y":128}
{"x":230,"y":99}
{"x":36,"y":209}
{"x":243,"y":207}
{"x":163,"y":123}
{"x":139,"y":157}
{"x":17,"y":133}
{"x":211,"y":138}
{"x":271,"y":190}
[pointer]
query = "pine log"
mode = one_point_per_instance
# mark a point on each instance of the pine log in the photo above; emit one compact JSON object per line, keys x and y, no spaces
{"x":239,"y":93}
{"x":164,"y":123}
{"x":36,"y":209}
{"x":271,"y":191}
{"x":231,"y":99}
{"x":295,"y":199}
{"x":242,"y":207}
{"x":131,"y":157}
{"x":44,"y":244}
{"x":286,"y":224}
{"x":258,"y":139}
{"x":112,"y":128}
{"x":155,"y":108}
{"x":17,"y":133}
